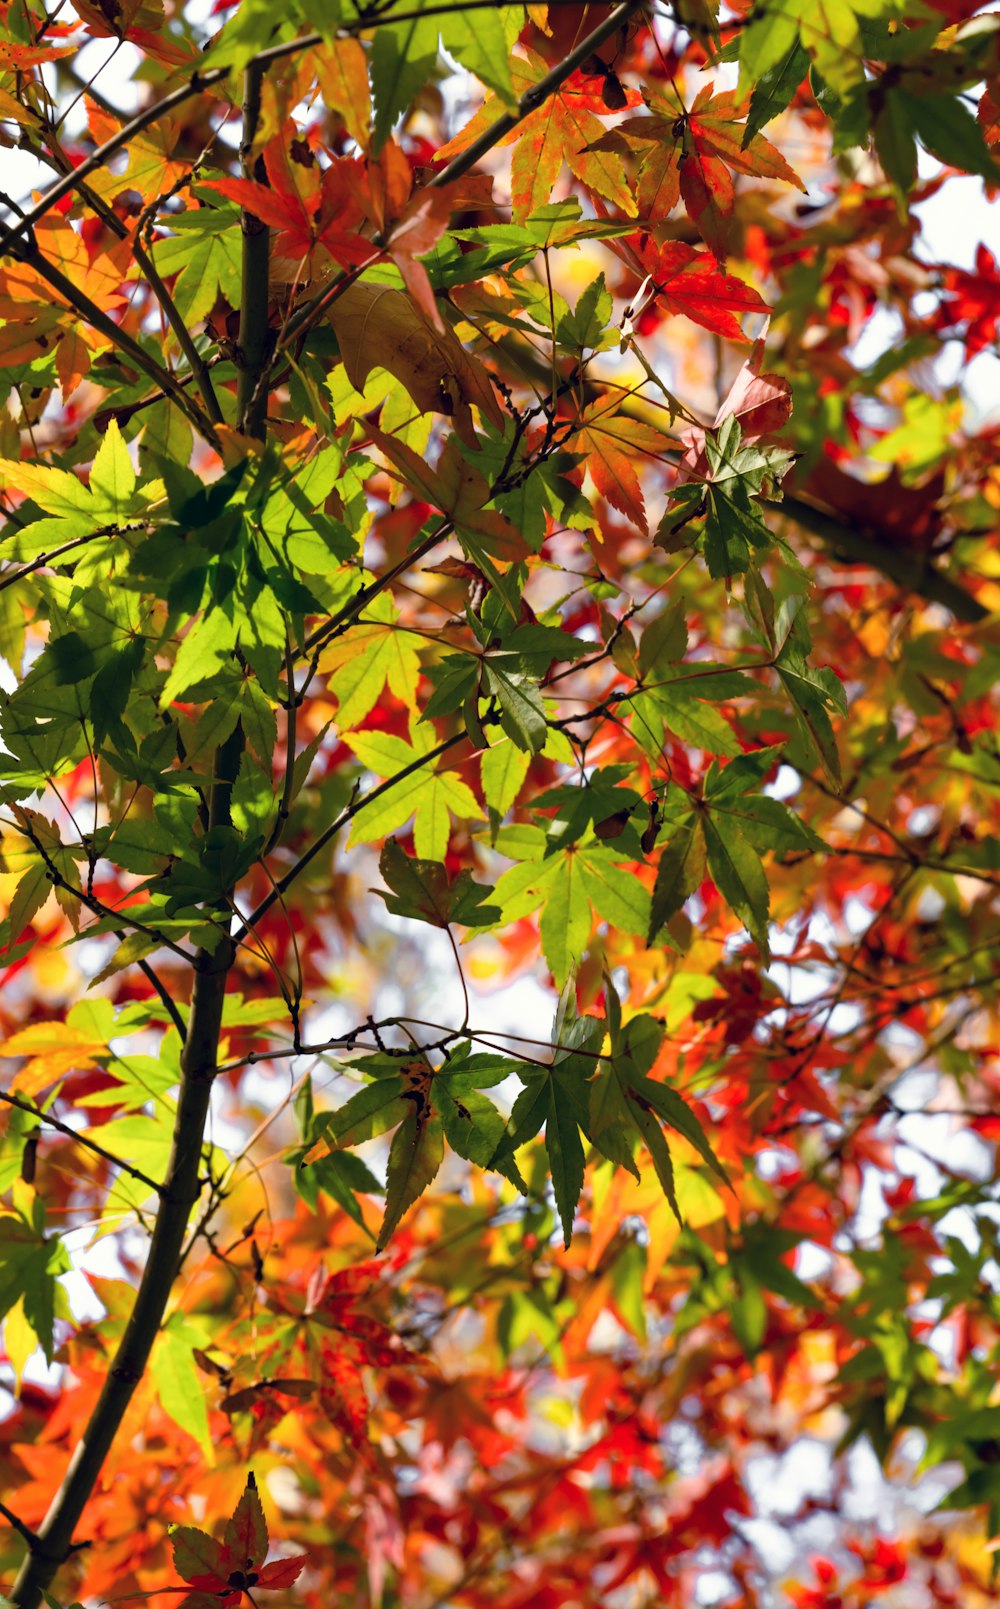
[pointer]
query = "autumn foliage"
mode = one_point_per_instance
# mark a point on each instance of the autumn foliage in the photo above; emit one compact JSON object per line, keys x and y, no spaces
{"x":498,"y":791}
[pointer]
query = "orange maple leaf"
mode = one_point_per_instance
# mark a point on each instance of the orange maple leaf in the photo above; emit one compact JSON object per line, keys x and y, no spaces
{"x":612,"y":443}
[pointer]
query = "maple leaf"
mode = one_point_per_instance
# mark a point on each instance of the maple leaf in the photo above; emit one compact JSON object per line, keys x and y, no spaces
{"x":426,"y":794}
{"x":378,"y":327}
{"x":375,"y":653}
{"x":736,"y":475}
{"x":691,"y":282}
{"x":17,"y":57}
{"x":55,"y":1049}
{"x":695,"y":152}
{"x":150,"y":168}
{"x":761,"y":404}
{"x":611,"y":442}
{"x":411,"y":223}
{"x":566,"y":129}
{"x":141,"y":22}
{"x":459,"y":490}
{"x":24,"y":290}
{"x":830,"y":30}
{"x":971,"y":302}
{"x":223,"y":1572}
{"x":988,"y":113}
{"x":342,"y":73}
{"x":307,"y":204}
{"x":422,"y":890}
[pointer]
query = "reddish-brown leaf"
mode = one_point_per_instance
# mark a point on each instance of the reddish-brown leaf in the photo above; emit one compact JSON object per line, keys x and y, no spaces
{"x":283,"y":1572}
{"x":246,"y":1533}
{"x":459,"y":490}
{"x":691,"y":282}
{"x":613,"y":446}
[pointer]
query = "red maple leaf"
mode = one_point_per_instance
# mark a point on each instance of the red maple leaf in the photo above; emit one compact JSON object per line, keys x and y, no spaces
{"x":694,"y":153}
{"x":345,"y":1341}
{"x":691,"y":282}
{"x":972,"y":300}
{"x":566,"y":127}
{"x":222,"y":1573}
{"x":308,"y":205}
{"x":411,"y":223}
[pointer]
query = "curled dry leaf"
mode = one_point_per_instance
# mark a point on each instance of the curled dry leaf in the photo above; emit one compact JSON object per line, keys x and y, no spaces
{"x":380,"y":328}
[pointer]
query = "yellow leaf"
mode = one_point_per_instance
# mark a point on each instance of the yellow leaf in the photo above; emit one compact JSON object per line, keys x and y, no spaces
{"x":342,"y":74}
{"x":19,"y":1342}
{"x":55,"y":1049}
{"x":364,"y":659}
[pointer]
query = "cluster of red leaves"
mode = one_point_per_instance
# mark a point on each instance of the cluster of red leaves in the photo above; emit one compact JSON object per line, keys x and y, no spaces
{"x":971,"y":302}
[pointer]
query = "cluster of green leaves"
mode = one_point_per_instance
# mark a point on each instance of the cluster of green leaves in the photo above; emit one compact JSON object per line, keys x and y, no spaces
{"x":582,"y":1094}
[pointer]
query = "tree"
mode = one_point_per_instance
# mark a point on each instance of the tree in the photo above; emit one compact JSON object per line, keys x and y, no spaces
{"x":488,"y":542}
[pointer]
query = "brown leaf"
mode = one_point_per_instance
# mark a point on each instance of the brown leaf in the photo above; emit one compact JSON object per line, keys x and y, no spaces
{"x":380,"y":328}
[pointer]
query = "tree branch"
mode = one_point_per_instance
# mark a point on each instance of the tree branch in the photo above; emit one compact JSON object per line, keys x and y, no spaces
{"x":182,"y":1184}
{"x":18,"y":1525}
{"x":254,"y":335}
{"x":117,"y":336}
{"x":178,"y":1194}
{"x":11,"y":576}
{"x":913,"y":571}
{"x":168,"y":1003}
{"x":196,"y":363}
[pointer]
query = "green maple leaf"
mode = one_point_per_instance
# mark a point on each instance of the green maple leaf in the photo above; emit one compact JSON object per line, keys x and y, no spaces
{"x":204,"y":252}
{"x":423,"y":890}
{"x":565,"y":883}
{"x":726,"y":498}
{"x":429,"y":796}
{"x":814,"y":691}
{"x":30,"y":1263}
{"x":829,"y":30}
{"x":415,"y":1155}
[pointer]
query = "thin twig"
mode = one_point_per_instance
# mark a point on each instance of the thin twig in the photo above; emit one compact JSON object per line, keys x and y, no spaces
{"x":19,"y":1526}
{"x":168,"y":1003}
{"x":342,"y":820}
{"x":79,"y":1139}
